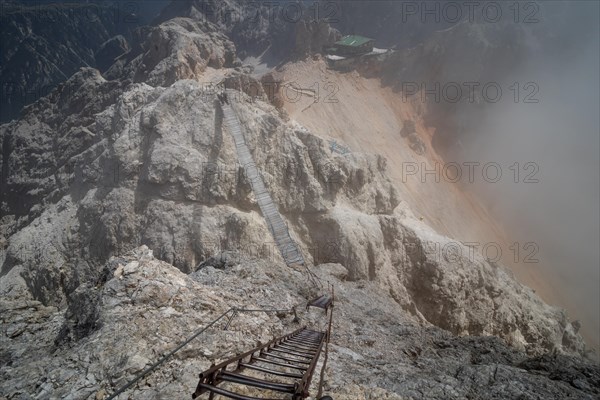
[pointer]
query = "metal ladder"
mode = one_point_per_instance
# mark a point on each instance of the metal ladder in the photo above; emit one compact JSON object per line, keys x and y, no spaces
{"x":288,"y":248}
{"x":293,"y":357}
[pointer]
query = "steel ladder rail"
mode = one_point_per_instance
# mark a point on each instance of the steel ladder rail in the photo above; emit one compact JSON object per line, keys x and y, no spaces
{"x":256,"y":358}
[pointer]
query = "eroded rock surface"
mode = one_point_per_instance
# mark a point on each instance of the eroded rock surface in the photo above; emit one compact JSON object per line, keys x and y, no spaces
{"x":147,"y":307}
{"x":141,"y":156}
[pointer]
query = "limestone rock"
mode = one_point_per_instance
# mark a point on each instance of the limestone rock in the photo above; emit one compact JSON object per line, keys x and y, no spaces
{"x":313,"y":36}
{"x":127,"y":223}
{"x":161,"y":169}
{"x":377,"y":349}
{"x":180,"y":48}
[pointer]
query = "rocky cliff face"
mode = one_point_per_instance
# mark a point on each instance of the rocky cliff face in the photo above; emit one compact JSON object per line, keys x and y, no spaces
{"x":177,"y":49}
{"x":141,"y":156}
{"x":143,"y":308}
{"x":254,"y":27}
{"x":313,"y":36}
{"x":44,"y":43}
{"x":284,"y":29}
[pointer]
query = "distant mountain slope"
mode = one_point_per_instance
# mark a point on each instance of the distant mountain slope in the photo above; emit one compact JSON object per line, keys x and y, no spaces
{"x":44,"y":43}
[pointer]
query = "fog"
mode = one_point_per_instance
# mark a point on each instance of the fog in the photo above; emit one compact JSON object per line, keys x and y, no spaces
{"x":560,"y":134}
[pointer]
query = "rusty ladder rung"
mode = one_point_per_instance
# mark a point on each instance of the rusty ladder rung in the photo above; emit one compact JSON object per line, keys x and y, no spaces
{"x":291,"y":353}
{"x":264,"y":360}
{"x":291,"y":349}
{"x":231,"y":395}
{"x":286,"y":359}
{"x":270,"y":371}
{"x":259,"y":383}
{"x":301,"y":344}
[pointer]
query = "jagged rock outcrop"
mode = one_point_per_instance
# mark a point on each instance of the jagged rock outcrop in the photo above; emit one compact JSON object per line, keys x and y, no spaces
{"x":312,"y":36}
{"x":141,"y":156}
{"x":455,"y":288}
{"x":160,"y":169}
{"x":140,"y":164}
{"x":45,"y":42}
{"x":147,"y":307}
{"x":272,"y":84}
{"x":160,"y":162}
{"x":180,"y":48}
{"x":283,"y":29}
{"x":254,"y":27}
